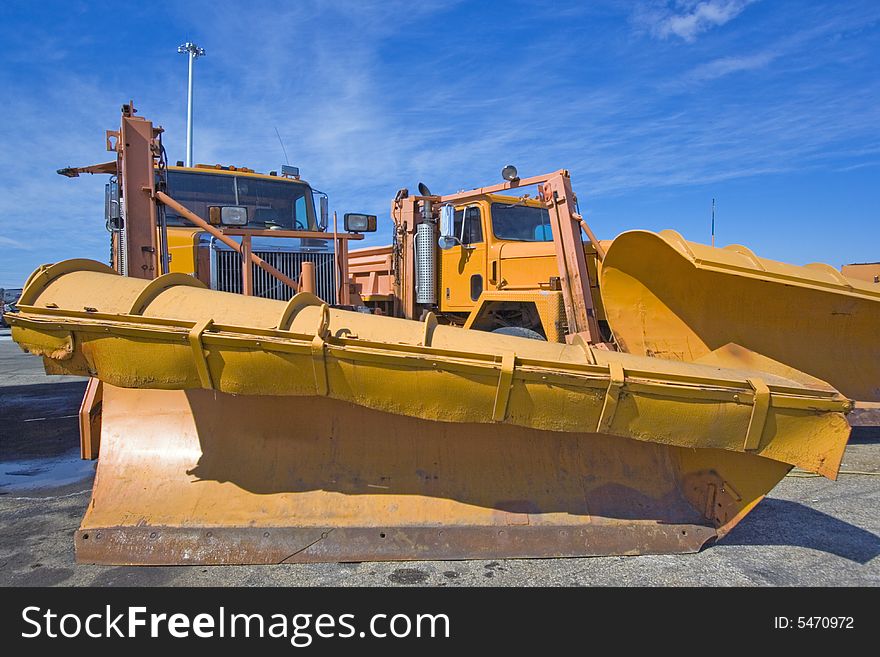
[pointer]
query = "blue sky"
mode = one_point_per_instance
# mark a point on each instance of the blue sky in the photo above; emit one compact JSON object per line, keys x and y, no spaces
{"x":771,"y":107}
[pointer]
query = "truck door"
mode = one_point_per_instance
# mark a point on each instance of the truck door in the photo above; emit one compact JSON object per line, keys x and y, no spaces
{"x":463,"y":267}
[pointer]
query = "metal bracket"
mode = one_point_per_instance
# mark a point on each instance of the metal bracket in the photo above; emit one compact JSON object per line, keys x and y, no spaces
{"x":294,"y":306}
{"x":617,"y":377}
{"x":831,"y":271}
{"x":505,"y":382}
{"x":322,"y":386}
{"x":195,"y":341}
{"x":760,"y":407}
{"x":748,"y":253}
{"x":584,"y":343}
{"x":430,"y":324}
{"x":111,"y":140}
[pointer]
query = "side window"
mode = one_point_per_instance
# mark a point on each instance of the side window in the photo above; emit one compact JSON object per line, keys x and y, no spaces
{"x":473,"y":228}
{"x":476,"y":286}
{"x":456,"y":223}
{"x":300,"y":220}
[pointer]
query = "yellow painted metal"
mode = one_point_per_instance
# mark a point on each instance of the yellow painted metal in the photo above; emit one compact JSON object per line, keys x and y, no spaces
{"x":245,"y":430}
{"x":204,"y":477}
{"x":504,"y":265}
{"x":680,"y":300}
{"x":463,"y":264}
{"x":183,"y":249}
{"x":726,"y":486}
{"x":525,"y":265}
{"x":547,"y":303}
{"x":863,"y":271}
{"x":517,"y":267}
{"x":90,"y":420}
{"x":259,"y":346}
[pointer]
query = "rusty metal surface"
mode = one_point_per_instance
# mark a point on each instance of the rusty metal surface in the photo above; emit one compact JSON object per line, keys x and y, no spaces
{"x":293,"y":431}
{"x":307,"y":278}
{"x":254,"y":545}
{"x":105,"y":167}
{"x":182,"y":479}
{"x":136,"y":149}
{"x":570,"y":257}
{"x":90,"y":419}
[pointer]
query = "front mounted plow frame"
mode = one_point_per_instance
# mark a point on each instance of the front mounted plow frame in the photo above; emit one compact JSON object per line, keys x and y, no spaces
{"x":244,"y":430}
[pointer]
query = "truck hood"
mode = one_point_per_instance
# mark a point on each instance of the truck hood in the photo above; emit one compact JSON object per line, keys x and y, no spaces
{"x":527,"y":250}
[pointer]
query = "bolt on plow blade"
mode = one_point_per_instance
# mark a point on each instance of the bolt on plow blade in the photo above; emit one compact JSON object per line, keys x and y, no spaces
{"x":680,"y":300}
{"x":246,"y":430}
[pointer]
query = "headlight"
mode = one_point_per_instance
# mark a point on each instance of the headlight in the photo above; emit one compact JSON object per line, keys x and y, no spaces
{"x":360,"y":223}
{"x":228,"y":215}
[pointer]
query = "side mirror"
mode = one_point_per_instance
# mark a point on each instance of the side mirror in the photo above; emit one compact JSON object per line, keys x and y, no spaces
{"x":324,"y":206}
{"x":360,"y":223}
{"x":447,"y":228}
{"x":228,"y":215}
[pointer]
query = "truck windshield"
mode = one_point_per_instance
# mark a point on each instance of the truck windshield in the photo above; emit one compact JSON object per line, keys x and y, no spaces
{"x":270,"y":204}
{"x":521,"y":223}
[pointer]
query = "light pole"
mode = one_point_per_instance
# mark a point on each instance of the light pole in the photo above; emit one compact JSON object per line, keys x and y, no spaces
{"x":194,"y":53}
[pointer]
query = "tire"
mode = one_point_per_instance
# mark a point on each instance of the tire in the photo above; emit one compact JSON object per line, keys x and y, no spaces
{"x":520,"y":332}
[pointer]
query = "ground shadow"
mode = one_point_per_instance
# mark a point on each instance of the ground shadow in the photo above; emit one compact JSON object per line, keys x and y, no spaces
{"x":783,"y":522}
{"x":290,"y":445}
{"x":39,"y":420}
{"x":864,"y":435}
{"x":39,"y":400}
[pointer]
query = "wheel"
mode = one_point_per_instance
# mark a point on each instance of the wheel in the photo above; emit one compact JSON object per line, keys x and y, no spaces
{"x":520,"y":332}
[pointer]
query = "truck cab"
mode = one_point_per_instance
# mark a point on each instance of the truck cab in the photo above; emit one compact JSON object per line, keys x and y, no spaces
{"x":501,"y":269}
{"x":502,"y":242}
{"x":496,"y":268}
{"x":261,"y":203}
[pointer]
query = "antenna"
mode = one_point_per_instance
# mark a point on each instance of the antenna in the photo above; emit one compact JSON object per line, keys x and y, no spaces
{"x":278,"y":134}
{"x":713,"y":222}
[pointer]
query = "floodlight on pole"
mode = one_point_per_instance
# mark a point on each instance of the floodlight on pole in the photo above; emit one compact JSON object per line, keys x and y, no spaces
{"x":194,"y":53}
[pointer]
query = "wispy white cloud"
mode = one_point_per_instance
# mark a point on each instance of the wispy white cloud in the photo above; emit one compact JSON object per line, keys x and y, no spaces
{"x":687,"y":18}
{"x":45,"y":217}
{"x":372,"y":97}
{"x":804,"y":49}
{"x":718,"y":68}
{"x":15,"y":244}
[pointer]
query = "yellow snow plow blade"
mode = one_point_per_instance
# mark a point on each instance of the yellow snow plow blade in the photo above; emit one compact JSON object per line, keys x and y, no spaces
{"x":666,"y":297}
{"x":245,"y":430}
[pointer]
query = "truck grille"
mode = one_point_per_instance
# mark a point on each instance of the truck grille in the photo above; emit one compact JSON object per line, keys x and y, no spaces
{"x":227,"y":273}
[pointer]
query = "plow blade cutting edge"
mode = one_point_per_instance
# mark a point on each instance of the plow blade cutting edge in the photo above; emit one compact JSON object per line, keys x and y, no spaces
{"x":244,"y":430}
